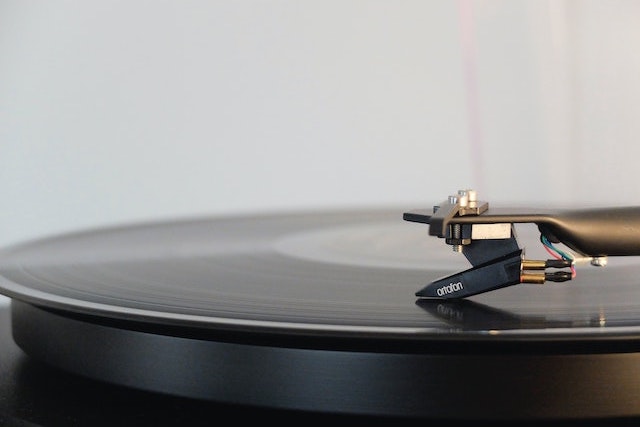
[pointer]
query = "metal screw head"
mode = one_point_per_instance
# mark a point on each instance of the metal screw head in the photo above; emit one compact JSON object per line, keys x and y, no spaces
{"x":473,"y":196}
{"x":599,"y":261}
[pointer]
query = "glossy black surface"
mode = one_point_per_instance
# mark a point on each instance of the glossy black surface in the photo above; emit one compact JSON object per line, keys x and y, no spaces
{"x":35,"y":394}
{"x":332,"y":273}
{"x":330,"y":295}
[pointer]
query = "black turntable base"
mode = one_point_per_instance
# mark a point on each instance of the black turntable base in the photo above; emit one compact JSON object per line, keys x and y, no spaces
{"x":303,"y":317}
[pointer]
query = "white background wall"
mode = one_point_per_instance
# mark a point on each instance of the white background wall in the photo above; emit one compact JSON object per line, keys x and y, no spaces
{"x":123,"y":111}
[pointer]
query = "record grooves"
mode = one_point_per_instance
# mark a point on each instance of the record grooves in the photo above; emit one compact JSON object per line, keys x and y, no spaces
{"x":316,"y":312}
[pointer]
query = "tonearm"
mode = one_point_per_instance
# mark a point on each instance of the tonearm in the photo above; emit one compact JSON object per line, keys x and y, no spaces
{"x":486,"y":237}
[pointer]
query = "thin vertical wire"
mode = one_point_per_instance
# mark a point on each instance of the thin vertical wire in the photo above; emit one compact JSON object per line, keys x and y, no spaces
{"x":468,"y":46}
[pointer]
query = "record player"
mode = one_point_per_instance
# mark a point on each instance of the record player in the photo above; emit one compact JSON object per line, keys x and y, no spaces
{"x":329,"y":314}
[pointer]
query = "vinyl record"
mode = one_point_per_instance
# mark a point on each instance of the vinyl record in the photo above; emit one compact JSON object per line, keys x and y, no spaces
{"x":317,"y":311}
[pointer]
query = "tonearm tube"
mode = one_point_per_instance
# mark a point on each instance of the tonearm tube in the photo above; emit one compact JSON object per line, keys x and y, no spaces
{"x":486,"y":237}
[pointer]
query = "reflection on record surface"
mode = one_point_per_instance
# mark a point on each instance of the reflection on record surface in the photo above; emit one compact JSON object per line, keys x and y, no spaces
{"x":333,"y":272}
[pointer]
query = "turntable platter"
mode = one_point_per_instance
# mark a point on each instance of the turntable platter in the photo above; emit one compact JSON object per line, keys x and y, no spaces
{"x":317,"y":311}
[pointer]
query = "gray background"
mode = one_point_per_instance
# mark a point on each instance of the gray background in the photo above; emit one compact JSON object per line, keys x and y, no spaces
{"x":116,"y":112}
